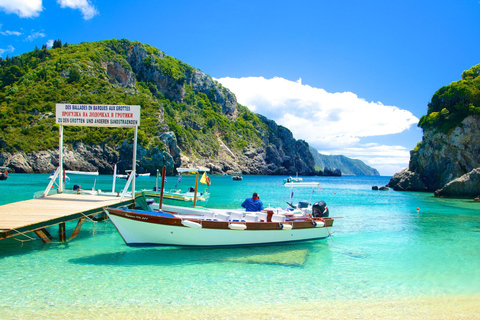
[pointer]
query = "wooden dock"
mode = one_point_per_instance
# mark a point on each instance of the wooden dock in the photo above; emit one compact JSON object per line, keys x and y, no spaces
{"x":37,"y":214}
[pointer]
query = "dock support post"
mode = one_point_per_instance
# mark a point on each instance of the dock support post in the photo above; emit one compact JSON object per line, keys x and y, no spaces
{"x":77,"y":228}
{"x":44,"y":235}
{"x":61,"y":232}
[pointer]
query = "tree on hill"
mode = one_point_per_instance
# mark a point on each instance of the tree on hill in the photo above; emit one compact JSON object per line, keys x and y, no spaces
{"x":57,"y":44}
{"x":453,"y":103}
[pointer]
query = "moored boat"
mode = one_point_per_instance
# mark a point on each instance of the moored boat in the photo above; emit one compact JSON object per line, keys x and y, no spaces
{"x":291,"y":179}
{"x":237,"y":176}
{"x":160,"y":228}
{"x":3,"y":173}
{"x":191,"y":195}
{"x":188,"y":196}
{"x":129,"y":172}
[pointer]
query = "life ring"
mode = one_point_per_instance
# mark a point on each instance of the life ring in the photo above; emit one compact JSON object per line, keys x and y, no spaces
{"x":237,"y":226}
{"x":319,"y":224}
{"x":287,"y":227}
{"x":191,"y":224}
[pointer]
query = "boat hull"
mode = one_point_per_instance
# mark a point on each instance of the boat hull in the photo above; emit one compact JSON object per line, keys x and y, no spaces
{"x":138,"y":229}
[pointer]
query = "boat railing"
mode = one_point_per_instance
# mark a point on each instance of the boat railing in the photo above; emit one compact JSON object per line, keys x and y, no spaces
{"x":125,"y":189}
{"x":52,"y":181}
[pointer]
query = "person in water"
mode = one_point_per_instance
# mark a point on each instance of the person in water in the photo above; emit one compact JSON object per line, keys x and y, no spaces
{"x":253,"y":204}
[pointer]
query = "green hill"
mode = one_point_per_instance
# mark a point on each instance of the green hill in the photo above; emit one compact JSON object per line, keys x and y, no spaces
{"x":186,"y":116}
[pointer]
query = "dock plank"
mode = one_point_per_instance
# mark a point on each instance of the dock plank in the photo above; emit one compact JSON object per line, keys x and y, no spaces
{"x":29,"y":215}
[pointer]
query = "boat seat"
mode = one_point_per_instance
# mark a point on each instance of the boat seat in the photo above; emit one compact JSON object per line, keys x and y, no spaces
{"x":262,"y":216}
{"x":251,"y":217}
{"x":236,"y":216}
{"x":222,"y":216}
{"x":210,"y":215}
{"x":278,"y":218}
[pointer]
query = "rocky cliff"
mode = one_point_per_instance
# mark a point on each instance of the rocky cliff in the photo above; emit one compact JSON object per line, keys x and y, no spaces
{"x":447,"y":161}
{"x":188,"y":119}
{"x":442,"y":158}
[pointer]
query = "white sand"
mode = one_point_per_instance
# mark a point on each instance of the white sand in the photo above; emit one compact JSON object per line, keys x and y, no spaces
{"x":448,"y":308}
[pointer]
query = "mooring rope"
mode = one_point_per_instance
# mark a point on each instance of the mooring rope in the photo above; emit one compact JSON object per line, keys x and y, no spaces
{"x":57,"y":234}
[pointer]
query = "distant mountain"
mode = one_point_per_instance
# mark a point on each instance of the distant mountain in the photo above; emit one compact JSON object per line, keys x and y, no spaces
{"x":346,"y":165}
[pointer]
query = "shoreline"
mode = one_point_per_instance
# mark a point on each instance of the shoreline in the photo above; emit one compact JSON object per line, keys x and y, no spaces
{"x":447,"y":307}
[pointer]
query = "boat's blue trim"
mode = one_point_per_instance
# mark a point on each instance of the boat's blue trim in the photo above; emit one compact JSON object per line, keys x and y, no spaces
{"x":152,"y":213}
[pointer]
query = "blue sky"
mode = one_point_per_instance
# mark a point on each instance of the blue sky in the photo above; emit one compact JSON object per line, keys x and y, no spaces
{"x":349,"y":77}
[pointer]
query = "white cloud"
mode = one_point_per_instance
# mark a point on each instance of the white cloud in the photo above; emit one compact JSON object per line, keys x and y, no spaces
{"x":22,"y":8}
{"x":333,"y":122}
{"x":35,"y":35}
{"x":87,"y":9}
{"x":50,"y":43}
{"x":32,"y":8}
{"x":10,"y":49}
{"x":323,"y":118}
{"x":10,"y":33}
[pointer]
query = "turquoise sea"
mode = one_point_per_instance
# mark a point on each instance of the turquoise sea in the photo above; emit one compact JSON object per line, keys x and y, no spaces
{"x":385,"y":260}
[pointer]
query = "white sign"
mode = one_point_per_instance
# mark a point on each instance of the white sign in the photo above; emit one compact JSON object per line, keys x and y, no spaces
{"x":93,"y":115}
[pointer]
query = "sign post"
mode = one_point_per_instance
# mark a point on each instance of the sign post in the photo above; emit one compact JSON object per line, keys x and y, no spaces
{"x":97,"y":115}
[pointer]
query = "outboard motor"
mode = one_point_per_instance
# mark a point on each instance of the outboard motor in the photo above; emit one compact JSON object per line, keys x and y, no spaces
{"x":320,"y":209}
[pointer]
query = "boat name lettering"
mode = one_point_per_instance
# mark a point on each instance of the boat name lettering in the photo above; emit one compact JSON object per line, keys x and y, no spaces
{"x":135,"y":217}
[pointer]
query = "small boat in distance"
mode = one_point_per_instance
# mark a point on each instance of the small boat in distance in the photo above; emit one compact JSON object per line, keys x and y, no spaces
{"x":292,"y":180}
{"x":237,"y":176}
{"x":128,"y":172}
{"x":3,"y":173}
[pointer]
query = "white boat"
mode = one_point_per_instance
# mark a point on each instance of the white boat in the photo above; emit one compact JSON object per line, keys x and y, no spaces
{"x":150,"y":201}
{"x":291,"y":179}
{"x":160,"y":228}
{"x":164,"y":225}
{"x":85,"y":173}
{"x":128,"y":172}
{"x":143,"y":175}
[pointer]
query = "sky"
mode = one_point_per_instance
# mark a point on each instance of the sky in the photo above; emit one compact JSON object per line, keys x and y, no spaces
{"x":350,"y":77}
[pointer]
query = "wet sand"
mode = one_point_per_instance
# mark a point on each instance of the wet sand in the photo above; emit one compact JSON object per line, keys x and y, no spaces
{"x":448,"y":308}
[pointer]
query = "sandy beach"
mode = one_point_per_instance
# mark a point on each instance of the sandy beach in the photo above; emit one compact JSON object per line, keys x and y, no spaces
{"x":447,"y":308}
